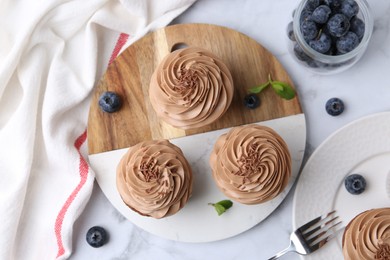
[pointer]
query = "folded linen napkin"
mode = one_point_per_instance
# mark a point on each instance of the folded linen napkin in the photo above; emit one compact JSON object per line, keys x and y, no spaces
{"x":51,"y":55}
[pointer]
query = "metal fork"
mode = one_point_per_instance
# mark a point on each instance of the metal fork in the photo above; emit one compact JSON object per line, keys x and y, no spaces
{"x":312,"y":235}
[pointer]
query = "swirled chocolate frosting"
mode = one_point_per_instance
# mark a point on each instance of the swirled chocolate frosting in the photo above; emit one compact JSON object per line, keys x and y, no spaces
{"x":367,"y":236}
{"x":154,"y":178}
{"x":251,"y":164}
{"x":191,"y":88}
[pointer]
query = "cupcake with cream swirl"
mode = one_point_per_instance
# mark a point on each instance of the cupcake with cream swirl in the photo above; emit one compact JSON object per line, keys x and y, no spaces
{"x":251,"y":164}
{"x":367,"y":236}
{"x":191,"y":88}
{"x":154,"y":178}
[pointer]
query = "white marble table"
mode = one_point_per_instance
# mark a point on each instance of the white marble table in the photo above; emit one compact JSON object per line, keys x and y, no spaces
{"x":364,"y":88}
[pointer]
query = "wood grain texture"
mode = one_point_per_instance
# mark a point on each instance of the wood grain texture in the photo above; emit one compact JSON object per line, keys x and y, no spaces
{"x":129,"y":76}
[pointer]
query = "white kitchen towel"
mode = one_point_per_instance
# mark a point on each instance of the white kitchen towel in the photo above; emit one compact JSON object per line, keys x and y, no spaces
{"x":52,"y":52}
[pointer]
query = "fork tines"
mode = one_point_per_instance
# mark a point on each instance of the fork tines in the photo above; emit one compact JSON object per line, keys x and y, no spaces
{"x":320,"y":230}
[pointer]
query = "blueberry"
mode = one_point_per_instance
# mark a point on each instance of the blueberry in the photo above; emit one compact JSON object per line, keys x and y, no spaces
{"x":96,"y":236}
{"x":355,"y":184}
{"x":333,"y":4}
{"x":347,"y":43}
{"x":321,"y":14}
{"x":300,"y":54}
{"x":251,"y":101}
{"x":349,"y":7}
{"x":314,"y":64}
{"x":309,"y":30}
{"x":338,"y":25}
{"x":290,"y":32}
{"x":334,"y":106}
{"x":110,"y":102}
{"x":358,"y":27}
{"x":332,"y":50}
{"x":305,"y":15}
{"x":312,"y":4}
{"x":322,"y":44}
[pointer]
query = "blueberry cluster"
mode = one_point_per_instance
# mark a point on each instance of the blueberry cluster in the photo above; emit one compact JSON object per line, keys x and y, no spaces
{"x":330,"y":27}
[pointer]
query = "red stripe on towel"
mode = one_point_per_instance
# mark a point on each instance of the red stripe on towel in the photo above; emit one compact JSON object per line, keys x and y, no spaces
{"x":123,"y":37}
{"x":83,"y":165}
{"x":83,"y":170}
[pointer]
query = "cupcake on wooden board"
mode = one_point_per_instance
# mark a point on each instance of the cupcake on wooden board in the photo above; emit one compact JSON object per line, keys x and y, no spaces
{"x":154,"y":178}
{"x":367,"y":236}
{"x":191,"y":88}
{"x":251,"y":164}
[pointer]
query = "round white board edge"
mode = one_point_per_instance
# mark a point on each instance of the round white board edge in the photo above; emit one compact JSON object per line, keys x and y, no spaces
{"x":194,"y":222}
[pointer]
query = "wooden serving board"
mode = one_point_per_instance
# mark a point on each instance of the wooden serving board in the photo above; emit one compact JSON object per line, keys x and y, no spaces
{"x":129,"y":76}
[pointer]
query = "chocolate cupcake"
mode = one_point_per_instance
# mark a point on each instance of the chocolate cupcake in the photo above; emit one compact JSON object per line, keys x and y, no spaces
{"x":191,"y":88}
{"x":251,"y":164}
{"x":154,"y":178}
{"x":367,"y":236}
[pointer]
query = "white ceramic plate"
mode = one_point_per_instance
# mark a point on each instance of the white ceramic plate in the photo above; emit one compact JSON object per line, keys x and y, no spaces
{"x":362,"y":146}
{"x":197,"y":221}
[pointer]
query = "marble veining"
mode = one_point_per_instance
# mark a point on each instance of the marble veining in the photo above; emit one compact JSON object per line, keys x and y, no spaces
{"x":364,"y":88}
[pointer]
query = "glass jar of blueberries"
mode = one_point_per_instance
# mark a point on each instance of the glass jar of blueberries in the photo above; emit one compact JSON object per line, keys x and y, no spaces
{"x":329,"y":36}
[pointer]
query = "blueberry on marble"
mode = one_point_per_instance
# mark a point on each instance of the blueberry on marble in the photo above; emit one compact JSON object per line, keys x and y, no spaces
{"x":334,"y":106}
{"x":110,"y":102}
{"x":355,"y":184}
{"x":321,"y":14}
{"x":349,"y":8}
{"x":97,"y":236}
{"x":290,"y":31}
{"x":347,"y":42}
{"x":357,"y":26}
{"x":322,"y":44}
{"x":251,"y":101}
{"x":309,"y":30}
{"x":338,"y":25}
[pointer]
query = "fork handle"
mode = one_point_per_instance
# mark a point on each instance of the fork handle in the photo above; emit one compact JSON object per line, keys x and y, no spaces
{"x":284,"y":251}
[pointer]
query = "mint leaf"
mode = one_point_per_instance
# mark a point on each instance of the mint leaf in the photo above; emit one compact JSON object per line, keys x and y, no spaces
{"x":258,"y":89}
{"x":283,"y":89}
{"x":222,"y":206}
{"x":277,"y":87}
{"x":220,"y":209}
{"x":227,"y":204}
